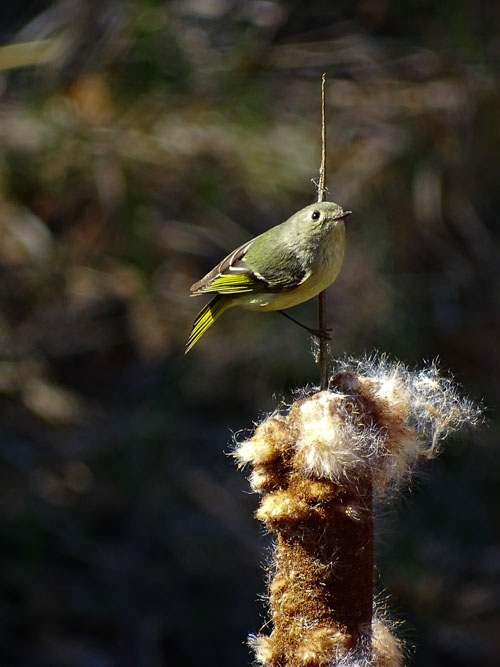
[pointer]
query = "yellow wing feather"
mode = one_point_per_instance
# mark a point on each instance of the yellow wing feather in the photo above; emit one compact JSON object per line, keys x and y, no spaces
{"x":205,"y":318}
{"x":228,"y":284}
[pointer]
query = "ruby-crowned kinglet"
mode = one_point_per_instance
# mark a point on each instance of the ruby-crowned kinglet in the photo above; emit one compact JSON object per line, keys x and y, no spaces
{"x":286,"y":265}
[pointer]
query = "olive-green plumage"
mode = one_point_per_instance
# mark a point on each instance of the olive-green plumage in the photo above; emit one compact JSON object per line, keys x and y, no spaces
{"x":286,"y":265}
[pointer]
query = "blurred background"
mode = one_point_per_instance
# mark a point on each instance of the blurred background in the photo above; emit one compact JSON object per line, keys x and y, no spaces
{"x":140,"y":141}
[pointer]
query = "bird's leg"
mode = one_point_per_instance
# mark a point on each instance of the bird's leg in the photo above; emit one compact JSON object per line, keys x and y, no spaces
{"x":319,"y":333}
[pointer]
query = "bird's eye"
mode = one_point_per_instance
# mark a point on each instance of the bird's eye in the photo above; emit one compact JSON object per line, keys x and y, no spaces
{"x":316,"y":215}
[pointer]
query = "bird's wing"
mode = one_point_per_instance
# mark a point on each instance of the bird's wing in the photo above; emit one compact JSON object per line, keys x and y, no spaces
{"x":234,"y":275}
{"x":231,"y":276}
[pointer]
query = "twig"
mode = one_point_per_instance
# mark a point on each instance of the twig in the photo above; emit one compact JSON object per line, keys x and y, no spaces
{"x":323,"y":342}
{"x":322,"y":169}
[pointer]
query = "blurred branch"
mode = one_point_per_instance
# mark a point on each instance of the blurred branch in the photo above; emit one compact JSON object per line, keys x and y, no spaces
{"x":27,"y":54}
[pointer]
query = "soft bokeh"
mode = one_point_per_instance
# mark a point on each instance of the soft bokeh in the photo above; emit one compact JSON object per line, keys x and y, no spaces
{"x":139,"y":142}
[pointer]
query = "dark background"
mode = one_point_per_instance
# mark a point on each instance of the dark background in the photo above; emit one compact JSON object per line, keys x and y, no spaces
{"x":139,"y":142}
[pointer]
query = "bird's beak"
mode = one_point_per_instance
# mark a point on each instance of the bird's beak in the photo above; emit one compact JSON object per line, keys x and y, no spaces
{"x":342,"y":216}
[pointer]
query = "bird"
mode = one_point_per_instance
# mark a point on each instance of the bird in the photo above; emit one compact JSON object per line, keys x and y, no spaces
{"x":286,"y":265}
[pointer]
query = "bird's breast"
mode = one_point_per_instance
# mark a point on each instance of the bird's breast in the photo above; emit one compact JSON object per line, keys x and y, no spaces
{"x":322,"y":262}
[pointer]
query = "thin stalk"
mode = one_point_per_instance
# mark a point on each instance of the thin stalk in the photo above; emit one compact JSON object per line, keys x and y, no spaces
{"x":323,"y":342}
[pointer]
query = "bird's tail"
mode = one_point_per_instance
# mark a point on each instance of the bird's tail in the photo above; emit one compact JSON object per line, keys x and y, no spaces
{"x":205,"y":318}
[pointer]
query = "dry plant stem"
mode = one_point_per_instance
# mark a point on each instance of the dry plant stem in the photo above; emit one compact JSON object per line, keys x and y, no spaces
{"x":323,"y":342}
{"x":322,"y":170}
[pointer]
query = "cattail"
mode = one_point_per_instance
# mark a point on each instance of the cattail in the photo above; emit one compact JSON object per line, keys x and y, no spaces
{"x":318,"y":468}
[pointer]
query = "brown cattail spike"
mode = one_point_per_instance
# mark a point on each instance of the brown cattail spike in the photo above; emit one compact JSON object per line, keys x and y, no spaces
{"x":318,"y":468}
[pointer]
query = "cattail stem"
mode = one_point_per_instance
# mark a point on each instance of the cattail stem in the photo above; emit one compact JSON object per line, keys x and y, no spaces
{"x":322,"y":169}
{"x":323,"y":341}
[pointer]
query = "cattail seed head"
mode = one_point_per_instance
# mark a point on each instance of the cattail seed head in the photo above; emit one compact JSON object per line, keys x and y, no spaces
{"x":317,"y":468}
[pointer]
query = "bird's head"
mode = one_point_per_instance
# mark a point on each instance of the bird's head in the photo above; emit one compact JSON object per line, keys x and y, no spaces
{"x":324,"y":213}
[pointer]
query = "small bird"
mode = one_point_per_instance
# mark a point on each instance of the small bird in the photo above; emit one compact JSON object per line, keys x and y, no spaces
{"x":286,"y":265}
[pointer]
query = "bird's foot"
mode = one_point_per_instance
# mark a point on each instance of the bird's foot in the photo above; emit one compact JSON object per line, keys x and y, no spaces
{"x":317,"y":333}
{"x":320,"y":333}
